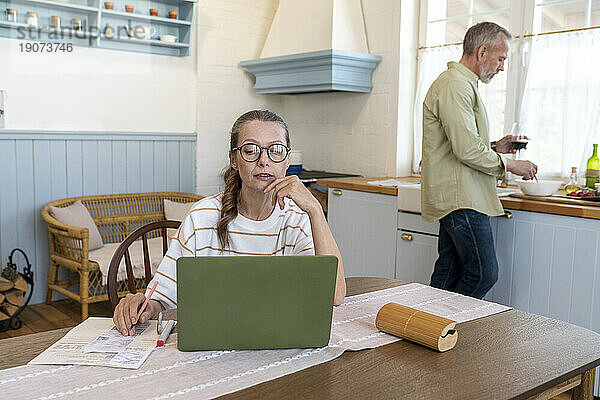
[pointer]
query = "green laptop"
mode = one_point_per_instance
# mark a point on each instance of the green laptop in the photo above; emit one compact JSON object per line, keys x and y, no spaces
{"x":254,"y":302}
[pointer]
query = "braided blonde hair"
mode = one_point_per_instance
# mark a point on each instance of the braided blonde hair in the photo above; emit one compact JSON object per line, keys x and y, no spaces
{"x":231,"y":176}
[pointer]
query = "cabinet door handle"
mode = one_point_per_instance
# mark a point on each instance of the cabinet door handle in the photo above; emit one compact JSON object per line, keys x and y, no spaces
{"x":337,"y":192}
{"x":406,"y":236}
{"x":507,"y":215}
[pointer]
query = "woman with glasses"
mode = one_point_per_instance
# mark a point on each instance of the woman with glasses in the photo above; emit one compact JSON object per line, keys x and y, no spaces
{"x":260,"y":212}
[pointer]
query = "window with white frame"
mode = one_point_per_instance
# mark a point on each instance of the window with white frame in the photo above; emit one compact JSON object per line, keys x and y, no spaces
{"x":550,"y":85}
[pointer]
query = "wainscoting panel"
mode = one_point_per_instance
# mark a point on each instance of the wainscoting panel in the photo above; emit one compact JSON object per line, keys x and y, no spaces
{"x":39,"y":167}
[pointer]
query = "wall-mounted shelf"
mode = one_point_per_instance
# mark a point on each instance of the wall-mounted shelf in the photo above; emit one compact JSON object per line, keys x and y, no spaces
{"x":60,"y":5}
{"x":95,"y":18}
{"x":147,"y":42}
{"x":142,"y":17}
{"x":64,"y":32}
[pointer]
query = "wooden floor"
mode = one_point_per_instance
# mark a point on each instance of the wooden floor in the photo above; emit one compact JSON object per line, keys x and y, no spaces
{"x":59,"y":314}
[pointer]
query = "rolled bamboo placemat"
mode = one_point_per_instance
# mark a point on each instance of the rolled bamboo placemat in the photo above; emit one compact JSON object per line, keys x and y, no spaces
{"x":421,"y":327}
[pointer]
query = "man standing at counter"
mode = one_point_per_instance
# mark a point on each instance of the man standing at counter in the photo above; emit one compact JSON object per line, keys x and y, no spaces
{"x":460,"y":168}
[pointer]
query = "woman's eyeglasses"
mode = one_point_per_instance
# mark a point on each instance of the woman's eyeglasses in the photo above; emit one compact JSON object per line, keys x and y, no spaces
{"x":251,"y":152}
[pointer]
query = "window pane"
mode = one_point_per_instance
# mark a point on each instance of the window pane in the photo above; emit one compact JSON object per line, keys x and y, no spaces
{"x":556,"y":17}
{"x":443,"y":32}
{"x":502,"y":19}
{"x":487,"y":6}
{"x":446,"y":32}
{"x":444,"y":9}
{"x":451,"y":9}
{"x":562,"y":100}
{"x":448,"y":20}
{"x":595,"y":16}
{"x":494,"y":99}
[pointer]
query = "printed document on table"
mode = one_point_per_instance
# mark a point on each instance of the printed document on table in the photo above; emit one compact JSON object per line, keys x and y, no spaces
{"x":131,"y":352}
{"x":112,"y":341}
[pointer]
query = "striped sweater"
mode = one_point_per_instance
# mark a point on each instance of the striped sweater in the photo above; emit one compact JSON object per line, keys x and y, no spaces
{"x":284,"y":232}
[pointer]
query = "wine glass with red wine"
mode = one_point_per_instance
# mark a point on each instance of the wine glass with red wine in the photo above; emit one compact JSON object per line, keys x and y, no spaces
{"x":520,"y":141}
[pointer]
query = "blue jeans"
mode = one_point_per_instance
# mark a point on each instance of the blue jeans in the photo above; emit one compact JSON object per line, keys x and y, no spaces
{"x":466,"y":261}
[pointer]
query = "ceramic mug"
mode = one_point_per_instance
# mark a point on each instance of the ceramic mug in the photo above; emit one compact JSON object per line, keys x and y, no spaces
{"x":168,"y":38}
{"x":144,"y":32}
{"x":55,"y":21}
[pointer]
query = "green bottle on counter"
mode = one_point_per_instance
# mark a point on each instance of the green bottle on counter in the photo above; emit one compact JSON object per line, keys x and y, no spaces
{"x":592,"y":174}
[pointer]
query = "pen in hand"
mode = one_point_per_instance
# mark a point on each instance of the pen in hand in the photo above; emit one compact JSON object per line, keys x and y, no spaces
{"x":143,"y":307}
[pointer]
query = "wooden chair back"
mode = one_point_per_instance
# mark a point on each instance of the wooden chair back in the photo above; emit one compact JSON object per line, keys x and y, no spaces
{"x":123,"y":251}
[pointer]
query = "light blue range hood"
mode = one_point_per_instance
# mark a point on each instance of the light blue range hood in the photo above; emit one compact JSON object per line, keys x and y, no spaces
{"x":315,"y":46}
{"x":316,"y":71}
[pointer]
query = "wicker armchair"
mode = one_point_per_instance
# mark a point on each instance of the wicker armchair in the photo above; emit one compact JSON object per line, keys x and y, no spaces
{"x":116,"y":215}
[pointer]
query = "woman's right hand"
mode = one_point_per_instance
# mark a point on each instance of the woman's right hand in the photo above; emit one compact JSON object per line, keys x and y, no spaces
{"x":126,"y":311}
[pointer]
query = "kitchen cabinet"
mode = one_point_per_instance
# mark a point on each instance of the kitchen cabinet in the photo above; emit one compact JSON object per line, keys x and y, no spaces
{"x":364,"y":227}
{"x":373,"y":243}
{"x":416,"y":248}
{"x":95,"y":18}
{"x":549,"y":265}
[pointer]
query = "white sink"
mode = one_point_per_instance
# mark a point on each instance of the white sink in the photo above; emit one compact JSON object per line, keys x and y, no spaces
{"x":409,"y":196}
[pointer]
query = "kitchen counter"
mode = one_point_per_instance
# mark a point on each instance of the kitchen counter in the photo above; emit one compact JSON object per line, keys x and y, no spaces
{"x":541,"y":206}
{"x":361,"y":184}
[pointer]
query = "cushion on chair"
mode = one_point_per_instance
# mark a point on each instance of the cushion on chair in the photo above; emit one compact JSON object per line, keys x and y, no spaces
{"x":176,"y":211}
{"x":77,"y":215}
{"x":104,"y":255}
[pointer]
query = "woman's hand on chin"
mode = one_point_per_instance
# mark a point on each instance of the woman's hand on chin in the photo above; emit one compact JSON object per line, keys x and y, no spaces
{"x":291,"y":186}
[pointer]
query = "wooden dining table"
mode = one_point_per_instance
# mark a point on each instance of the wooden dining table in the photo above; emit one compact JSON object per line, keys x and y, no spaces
{"x":509,"y":355}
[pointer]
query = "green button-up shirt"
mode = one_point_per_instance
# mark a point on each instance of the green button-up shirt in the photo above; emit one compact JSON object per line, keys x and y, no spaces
{"x":459,"y":169}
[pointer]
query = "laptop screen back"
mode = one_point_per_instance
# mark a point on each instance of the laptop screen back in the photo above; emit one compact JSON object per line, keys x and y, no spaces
{"x":254,"y":302}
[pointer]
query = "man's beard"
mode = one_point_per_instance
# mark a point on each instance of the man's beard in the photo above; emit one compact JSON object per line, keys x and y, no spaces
{"x":486,"y":75}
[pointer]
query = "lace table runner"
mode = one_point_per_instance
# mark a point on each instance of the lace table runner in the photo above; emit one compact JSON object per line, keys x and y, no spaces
{"x":169,"y":373}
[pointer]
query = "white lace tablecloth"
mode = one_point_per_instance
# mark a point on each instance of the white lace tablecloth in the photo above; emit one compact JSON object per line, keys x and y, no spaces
{"x":169,"y":373}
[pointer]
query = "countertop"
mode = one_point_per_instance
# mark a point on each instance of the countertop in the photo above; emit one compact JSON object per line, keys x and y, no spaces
{"x":513,"y":203}
{"x":361,"y":184}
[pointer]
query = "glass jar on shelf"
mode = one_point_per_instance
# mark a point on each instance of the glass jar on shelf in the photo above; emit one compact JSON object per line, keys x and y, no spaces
{"x":32,"y":18}
{"x":55,"y":20}
{"x":77,"y":24}
{"x":11,"y":15}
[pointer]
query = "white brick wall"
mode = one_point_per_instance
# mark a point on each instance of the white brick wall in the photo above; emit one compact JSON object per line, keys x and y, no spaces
{"x":345,"y":132}
{"x":228,"y":31}
{"x":352,"y":132}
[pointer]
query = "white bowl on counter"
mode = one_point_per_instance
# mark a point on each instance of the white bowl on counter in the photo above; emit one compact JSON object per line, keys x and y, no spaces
{"x":409,"y":197}
{"x":538,"y":188}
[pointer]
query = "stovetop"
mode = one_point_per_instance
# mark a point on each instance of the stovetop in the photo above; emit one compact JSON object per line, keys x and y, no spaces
{"x":312,"y":176}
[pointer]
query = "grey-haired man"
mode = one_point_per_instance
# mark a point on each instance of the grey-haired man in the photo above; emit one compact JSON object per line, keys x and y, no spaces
{"x":460,"y":169}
